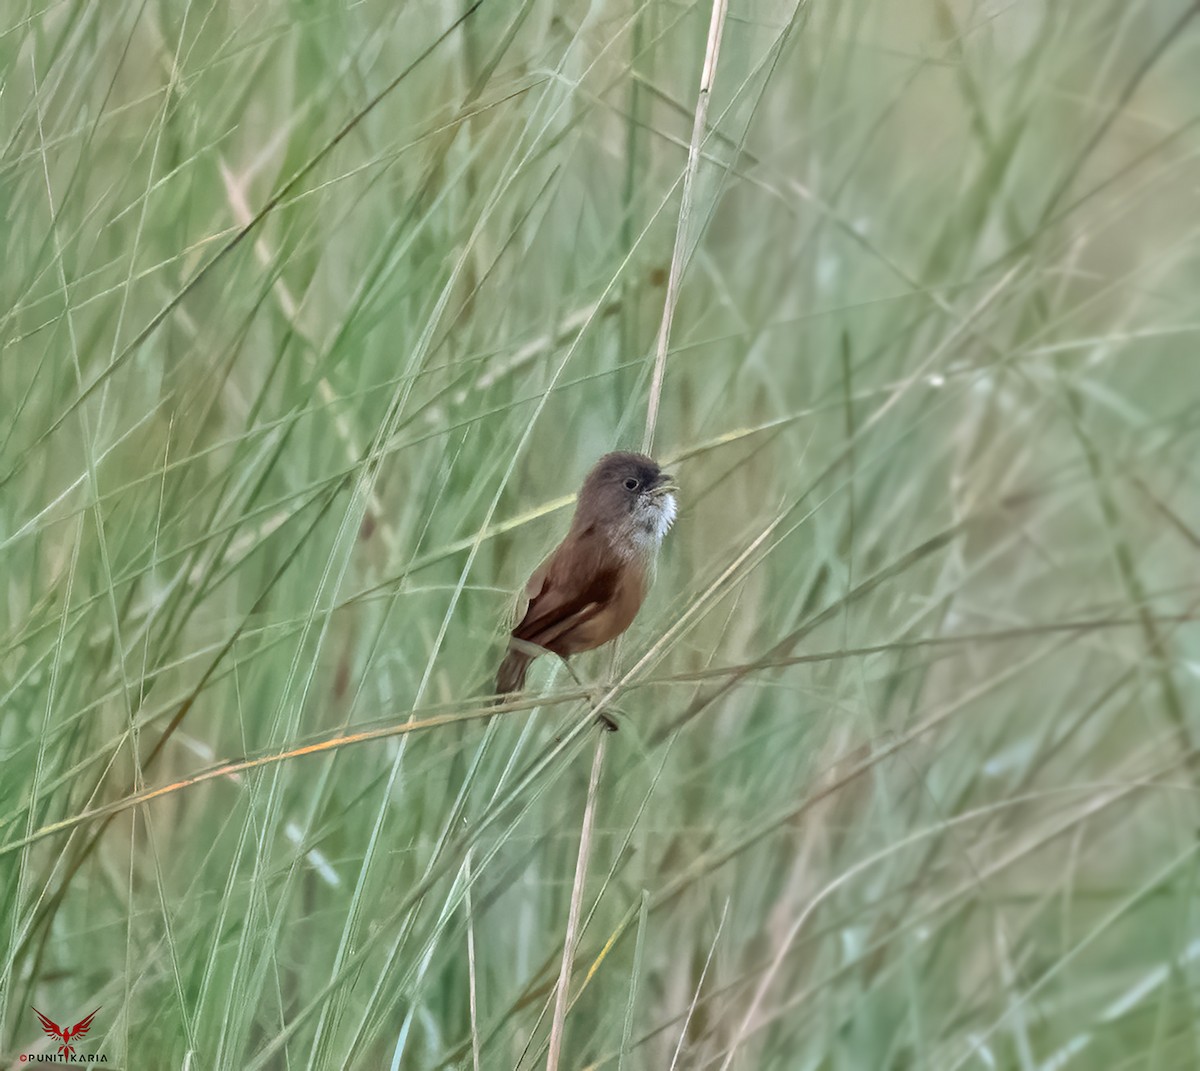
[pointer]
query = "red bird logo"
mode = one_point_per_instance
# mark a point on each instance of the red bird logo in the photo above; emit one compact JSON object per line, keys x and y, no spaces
{"x":53,"y":1030}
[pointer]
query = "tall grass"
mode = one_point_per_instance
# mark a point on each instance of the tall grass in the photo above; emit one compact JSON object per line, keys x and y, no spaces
{"x":314,"y":317}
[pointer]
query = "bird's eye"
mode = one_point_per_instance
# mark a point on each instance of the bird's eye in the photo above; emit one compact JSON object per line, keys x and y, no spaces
{"x":631,"y":484}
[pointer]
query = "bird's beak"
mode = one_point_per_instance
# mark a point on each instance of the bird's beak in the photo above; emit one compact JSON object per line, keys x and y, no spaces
{"x":665,"y":484}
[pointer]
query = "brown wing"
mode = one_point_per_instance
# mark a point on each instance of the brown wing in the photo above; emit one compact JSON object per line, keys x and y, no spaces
{"x":82,"y":1027}
{"x":532,"y":589}
{"x":52,"y":1028}
{"x":565,"y":593}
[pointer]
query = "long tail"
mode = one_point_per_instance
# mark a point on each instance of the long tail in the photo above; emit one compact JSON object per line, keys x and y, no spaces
{"x":511,"y":675}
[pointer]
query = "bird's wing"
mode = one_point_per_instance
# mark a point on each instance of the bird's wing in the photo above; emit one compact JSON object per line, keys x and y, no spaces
{"x":532,"y":589}
{"x":82,"y":1027}
{"x":558,"y":601}
{"x":52,"y":1028}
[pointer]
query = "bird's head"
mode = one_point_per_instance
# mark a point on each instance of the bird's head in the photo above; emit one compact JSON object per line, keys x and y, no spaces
{"x":630,"y":500}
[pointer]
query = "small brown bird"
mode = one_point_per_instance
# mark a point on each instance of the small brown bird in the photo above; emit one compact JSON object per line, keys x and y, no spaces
{"x":591,"y":587}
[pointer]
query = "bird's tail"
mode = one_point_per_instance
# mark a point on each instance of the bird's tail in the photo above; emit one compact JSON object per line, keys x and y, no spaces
{"x":511,"y":675}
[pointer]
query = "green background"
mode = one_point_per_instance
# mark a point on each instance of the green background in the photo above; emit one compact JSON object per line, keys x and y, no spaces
{"x":313,"y":318}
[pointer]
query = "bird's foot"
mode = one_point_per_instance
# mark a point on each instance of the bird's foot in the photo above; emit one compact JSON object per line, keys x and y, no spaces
{"x":606,"y":713}
{"x":595,"y":693}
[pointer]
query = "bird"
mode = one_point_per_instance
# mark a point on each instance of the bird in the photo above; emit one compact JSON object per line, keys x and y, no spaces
{"x":590,"y":588}
{"x":57,"y":1033}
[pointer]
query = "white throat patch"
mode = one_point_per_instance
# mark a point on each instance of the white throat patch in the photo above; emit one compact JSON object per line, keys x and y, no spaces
{"x":653,"y":522}
{"x":666,"y":516}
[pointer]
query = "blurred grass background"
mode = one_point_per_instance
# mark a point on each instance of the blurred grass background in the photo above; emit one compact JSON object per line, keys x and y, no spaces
{"x":314,"y":316}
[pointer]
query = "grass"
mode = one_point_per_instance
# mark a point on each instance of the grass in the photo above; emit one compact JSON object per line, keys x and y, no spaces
{"x":314,"y":318}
